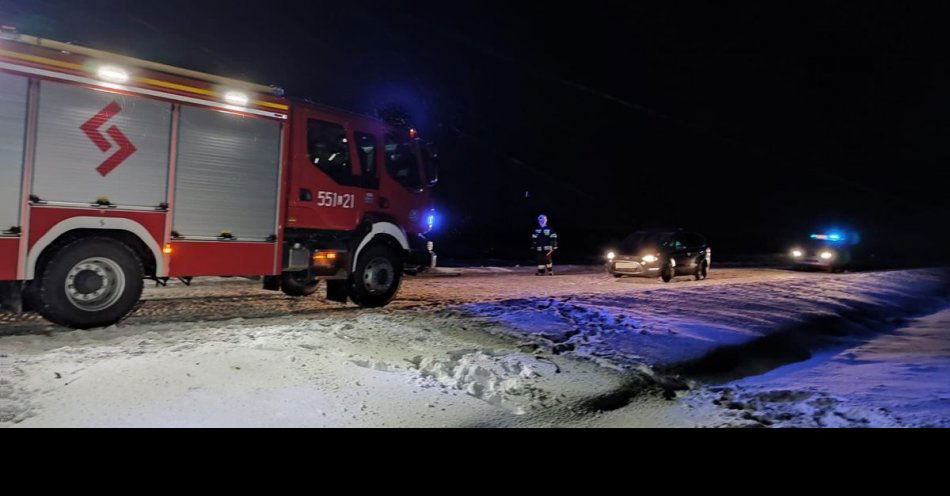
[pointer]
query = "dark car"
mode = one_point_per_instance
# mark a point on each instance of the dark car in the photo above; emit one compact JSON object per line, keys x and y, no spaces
{"x":832,"y":251}
{"x":661,"y":253}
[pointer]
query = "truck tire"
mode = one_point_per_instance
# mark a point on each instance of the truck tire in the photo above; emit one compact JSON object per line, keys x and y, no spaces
{"x":298,"y":283}
{"x":89,"y":282}
{"x":30,"y":298}
{"x":377,"y":277}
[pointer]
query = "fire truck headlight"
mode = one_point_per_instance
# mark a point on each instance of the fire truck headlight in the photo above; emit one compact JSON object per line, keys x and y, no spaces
{"x":611,"y":255}
{"x":113,"y":74}
{"x":236,"y":98}
{"x":827,"y":255}
{"x":797,"y":253}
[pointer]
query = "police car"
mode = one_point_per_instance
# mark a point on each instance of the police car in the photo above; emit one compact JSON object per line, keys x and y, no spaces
{"x":832,"y":251}
{"x":661,"y":253}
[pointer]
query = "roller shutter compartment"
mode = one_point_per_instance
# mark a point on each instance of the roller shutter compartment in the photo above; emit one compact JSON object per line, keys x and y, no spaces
{"x":226,"y":175}
{"x":13,"y":97}
{"x":94,"y":145}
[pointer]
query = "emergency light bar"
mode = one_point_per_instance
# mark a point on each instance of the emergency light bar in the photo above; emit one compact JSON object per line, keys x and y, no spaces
{"x":828,"y":237}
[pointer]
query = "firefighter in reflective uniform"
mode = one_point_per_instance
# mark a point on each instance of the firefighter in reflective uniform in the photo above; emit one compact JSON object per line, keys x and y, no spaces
{"x":543,"y":243}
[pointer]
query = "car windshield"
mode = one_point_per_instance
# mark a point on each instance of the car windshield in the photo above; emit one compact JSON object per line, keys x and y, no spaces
{"x":640,"y":241}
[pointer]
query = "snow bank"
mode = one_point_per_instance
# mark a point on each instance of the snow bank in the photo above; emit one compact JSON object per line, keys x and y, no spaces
{"x":680,"y":325}
{"x":855,"y":363}
{"x":377,"y":368}
{"x":502,"y":379}
{"x":796,"y":408}
{"x":900,"y":378}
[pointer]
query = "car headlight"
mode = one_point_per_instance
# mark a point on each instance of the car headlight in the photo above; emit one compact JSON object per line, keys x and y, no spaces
{"x":611,"y":255}
{"x":649,"y":258}
{"x":797,"y":253}
{"x":827,"y":255}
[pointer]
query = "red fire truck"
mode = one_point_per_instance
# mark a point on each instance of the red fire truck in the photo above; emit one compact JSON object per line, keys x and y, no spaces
{"x":115,"y":170}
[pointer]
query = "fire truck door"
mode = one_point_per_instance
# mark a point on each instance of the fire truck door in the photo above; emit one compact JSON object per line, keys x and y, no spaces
{"x":326,"y":185}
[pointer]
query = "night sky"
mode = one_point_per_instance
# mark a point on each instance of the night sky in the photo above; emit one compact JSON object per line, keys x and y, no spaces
{"x":753,"y":125}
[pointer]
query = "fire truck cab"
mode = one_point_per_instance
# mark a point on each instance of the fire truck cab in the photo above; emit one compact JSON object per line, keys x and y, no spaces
{"x":116,"y":170}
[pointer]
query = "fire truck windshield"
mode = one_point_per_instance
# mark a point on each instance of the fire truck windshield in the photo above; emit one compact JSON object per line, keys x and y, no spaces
{"x":402,"y":162}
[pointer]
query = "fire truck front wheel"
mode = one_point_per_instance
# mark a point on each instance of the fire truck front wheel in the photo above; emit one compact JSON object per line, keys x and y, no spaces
{"x":298,"y":283}
{"x":377,"y":277}
{"x":89,"y":282}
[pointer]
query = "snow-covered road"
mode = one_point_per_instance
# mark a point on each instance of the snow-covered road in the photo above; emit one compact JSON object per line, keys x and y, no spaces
{"x":490,"y":347}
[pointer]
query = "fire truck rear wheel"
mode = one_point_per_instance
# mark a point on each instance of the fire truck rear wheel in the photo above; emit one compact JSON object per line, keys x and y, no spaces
{"x":89,"y":282}
{"x":377,"y":277}
{"x":298,"y":283}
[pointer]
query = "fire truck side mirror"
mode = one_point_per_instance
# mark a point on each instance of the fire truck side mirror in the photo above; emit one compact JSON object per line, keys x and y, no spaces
{"x":430,"y":155}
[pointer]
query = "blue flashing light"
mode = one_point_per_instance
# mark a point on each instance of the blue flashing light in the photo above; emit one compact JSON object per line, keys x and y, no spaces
{"x":430,"y":220}
{"x":833,"y":237}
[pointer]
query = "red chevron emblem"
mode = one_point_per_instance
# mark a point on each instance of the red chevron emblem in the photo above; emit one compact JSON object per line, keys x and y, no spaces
{"x":91,"y":128}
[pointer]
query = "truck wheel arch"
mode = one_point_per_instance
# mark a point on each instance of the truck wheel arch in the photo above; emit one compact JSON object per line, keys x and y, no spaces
{"x":101,"y":224}
{"x":381,"y":232}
